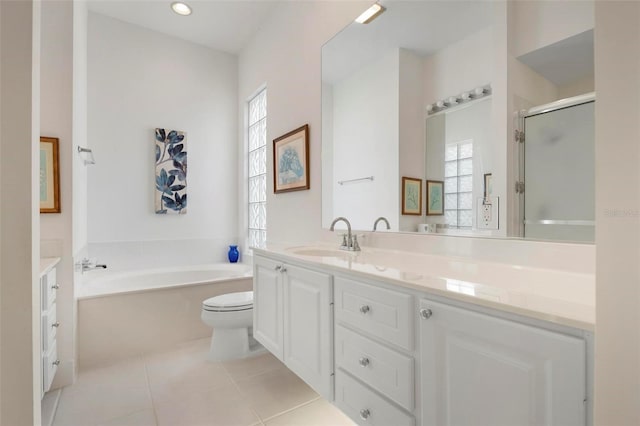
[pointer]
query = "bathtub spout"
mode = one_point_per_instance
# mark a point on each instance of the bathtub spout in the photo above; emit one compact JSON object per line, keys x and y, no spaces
{"x":87,"y":264}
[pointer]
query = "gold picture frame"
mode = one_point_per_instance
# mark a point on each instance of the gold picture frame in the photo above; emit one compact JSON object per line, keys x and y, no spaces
{"x":411,"y":196}
{"x":49,"y":175}
{"x":435,"y":198}
{"x":291,"y":161}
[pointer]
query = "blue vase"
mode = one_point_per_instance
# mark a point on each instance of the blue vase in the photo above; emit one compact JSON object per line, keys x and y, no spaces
{"x":233,"y":254}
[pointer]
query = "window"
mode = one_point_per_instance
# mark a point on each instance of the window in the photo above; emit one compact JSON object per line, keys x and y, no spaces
{"x":257,"y":160}
{"x":458,"y":185}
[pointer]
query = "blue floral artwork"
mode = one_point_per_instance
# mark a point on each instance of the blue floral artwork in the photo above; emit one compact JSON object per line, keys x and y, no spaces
{"x":291,"y":160}
{"x":171,"y":172}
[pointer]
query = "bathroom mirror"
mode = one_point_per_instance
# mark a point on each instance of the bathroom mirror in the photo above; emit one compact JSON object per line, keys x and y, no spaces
{"x":435,"y":91}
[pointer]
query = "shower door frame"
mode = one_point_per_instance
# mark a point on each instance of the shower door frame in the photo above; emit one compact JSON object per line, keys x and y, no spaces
{"x":520,"y":130}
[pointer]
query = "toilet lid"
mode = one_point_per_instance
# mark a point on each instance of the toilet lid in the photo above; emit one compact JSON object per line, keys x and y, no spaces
{"x":237,"y":301}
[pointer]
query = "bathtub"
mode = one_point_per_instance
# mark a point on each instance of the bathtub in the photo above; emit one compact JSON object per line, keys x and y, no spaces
{"x":98,"y":283}
{"x":138,"y":313}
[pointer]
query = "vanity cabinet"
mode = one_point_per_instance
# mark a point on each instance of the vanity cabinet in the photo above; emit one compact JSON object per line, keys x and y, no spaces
{"x":49,"y":323}
{"x":482,"y":370}
{"x":293,"y":319}
{"x":404,"y":356}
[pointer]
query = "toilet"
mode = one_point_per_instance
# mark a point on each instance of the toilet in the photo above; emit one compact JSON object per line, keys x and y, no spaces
{"x":231,"y":316}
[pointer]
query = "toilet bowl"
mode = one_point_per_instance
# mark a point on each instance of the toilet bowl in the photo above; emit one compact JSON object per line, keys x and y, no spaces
{"x":231,"y":316}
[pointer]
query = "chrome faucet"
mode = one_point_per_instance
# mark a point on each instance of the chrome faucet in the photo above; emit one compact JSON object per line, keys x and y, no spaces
{"x":381,"y":218}
{"x":349,"y":241}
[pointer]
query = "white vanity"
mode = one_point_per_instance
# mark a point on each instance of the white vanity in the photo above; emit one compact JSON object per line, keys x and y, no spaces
{"x":396,"y":338}
{"x":48,"y":292}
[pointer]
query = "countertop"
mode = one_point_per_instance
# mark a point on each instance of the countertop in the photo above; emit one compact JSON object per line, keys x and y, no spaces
{"x":46,"y":263}
{"x":555,"y":296}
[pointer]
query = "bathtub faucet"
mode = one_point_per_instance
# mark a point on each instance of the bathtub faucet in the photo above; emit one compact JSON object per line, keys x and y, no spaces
{"x":87,"y":264}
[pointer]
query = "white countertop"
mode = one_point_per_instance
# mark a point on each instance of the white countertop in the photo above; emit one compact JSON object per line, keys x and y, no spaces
{"x":554,"y":296}
{"x":46,"y":263}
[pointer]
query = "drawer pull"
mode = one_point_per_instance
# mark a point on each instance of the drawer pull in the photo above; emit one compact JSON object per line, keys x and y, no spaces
{"x":425,"y":313}
{"x":55,"y":287}
{"x":364,"y":309}
{"x":283,"y":270}
{"x":364,"y":414}
{"x":364,"y":361}
{"x":278,"y":268}
{"x":56,"y":325}
{"x":56,"y":362}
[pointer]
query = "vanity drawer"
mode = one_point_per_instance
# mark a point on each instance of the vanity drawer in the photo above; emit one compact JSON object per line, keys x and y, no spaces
{"x":378,"y":311}
{"x":49,"y":367}
{"x":49,"y":285}
{"x":49,"y":328}
{"x":365,"y":406}
{"x":384,"y":369}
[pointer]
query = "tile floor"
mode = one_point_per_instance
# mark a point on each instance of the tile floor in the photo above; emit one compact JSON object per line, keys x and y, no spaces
{"x":182,"y":388}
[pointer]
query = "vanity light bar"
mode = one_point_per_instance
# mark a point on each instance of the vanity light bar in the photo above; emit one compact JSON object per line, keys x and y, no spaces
{"x":451,"y":101}
{"x":370,"y":14}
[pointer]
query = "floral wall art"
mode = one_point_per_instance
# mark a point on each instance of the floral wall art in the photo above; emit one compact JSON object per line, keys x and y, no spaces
{"x":171,"y":172}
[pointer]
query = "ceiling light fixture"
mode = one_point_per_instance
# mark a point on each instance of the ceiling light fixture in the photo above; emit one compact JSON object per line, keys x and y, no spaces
{"x":370,"y":14}
{"x":181,"y":8}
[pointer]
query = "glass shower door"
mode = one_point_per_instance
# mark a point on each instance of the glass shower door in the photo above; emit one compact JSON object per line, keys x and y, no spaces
{"x":559,"y":174}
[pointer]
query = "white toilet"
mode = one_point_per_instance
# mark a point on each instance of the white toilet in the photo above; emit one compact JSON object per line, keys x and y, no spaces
{"x":231,"y":316}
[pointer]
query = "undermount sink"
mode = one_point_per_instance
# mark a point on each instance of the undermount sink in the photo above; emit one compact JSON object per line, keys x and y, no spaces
{"x":320,"y":252}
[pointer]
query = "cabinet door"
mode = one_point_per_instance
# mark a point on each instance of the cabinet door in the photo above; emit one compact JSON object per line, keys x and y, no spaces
{"x":267,"y":305}
{"x":308,"y":331}
{"x":481,"y":370}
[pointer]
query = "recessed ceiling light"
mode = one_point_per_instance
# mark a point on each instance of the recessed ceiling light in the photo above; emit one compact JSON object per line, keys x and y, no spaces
{"x":370,"y":14}
{"x":181,"y":8}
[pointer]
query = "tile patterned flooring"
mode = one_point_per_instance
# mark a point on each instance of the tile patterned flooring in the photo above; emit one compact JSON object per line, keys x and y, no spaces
{"x":183,"y":388}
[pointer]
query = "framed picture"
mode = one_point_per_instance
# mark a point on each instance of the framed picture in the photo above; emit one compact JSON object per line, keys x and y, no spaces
{"x":291,"y":161}
{"x":49,"y":175}
{"x":411,"y":196}
{"x":435,"y":198}
{"x":488,"y":187}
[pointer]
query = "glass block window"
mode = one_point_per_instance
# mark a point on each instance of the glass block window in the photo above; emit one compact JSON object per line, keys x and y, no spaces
{"x":257,"y":160}
{"x":458,"y":185}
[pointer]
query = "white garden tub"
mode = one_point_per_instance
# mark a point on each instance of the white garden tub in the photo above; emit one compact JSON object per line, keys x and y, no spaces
{"x":98,"y":283}
{"x":125,"y":314}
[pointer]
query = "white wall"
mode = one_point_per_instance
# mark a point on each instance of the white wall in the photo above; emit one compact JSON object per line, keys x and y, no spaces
{"x":79,"y":170}
{"x":56,"y":230}
{"x":139,"y":80}
{"x":366,"y":143}
{"x":411,"y":130}
{"x":540,"y":23}
{"x":617,"y":61}
{"x":20,"y":224}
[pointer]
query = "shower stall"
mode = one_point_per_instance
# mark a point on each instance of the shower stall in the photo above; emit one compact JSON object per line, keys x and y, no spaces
{"x":556,"y":183}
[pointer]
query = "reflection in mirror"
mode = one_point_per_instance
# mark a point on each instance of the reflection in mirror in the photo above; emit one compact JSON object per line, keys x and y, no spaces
{"x":398,"y":101}
{"x":458,"y":152}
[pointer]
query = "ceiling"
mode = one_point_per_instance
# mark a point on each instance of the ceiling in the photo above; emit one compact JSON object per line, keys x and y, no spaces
{"x":564,"y":62}
{"x":226,"y":25}
{"x":423,"y":27}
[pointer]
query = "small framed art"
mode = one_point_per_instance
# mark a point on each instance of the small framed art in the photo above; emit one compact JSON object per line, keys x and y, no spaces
{"x":435,"y":198}
{"x":291,"y":161}
{"x":49,"y":175}
{"x":411,"y":196}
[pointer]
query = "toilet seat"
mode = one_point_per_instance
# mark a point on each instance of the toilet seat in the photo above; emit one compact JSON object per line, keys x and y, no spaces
{"x":230,"y":302}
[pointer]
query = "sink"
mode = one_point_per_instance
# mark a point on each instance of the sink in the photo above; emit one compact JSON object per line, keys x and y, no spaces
{"x":321,"y":252}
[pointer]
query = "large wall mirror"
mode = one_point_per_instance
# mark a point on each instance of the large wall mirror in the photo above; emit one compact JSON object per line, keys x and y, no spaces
{"x":488,"y":104}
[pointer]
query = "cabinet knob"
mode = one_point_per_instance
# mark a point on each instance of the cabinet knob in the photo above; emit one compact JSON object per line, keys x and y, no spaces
{"x":425,"y":313}
{"x":278,"y":268}
{"x":56,"y":325}
{"x":55,"y":286}
{"x":56,"y":362}
{"x":364,"y":309}
{"x":283,"y":270}
{"x":364,"y":361}
{"x":365,"y":413}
